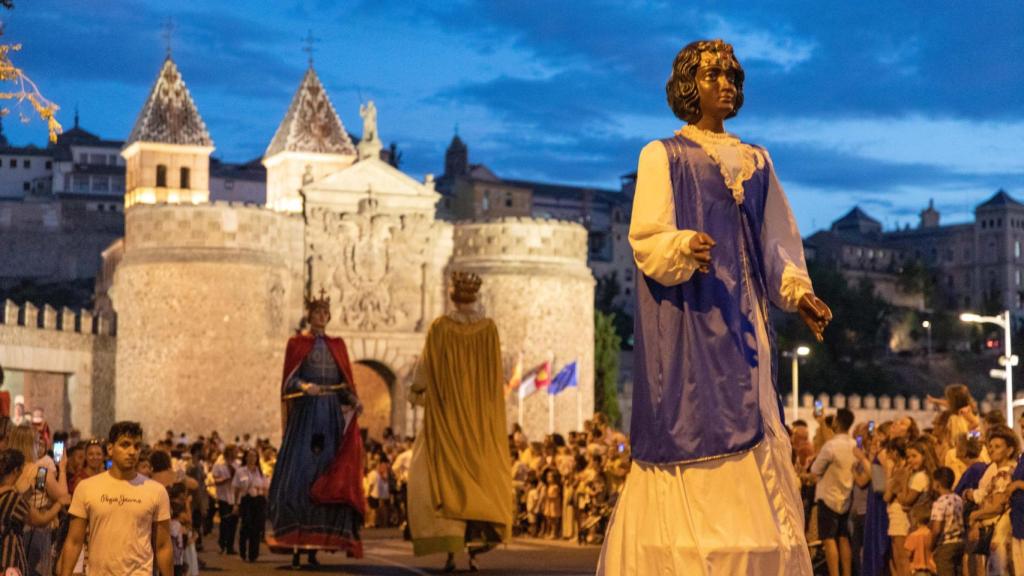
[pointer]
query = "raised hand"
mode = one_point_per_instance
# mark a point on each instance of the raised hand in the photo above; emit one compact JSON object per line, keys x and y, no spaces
{"x":816,"y":314}
{"x":700,"y":248}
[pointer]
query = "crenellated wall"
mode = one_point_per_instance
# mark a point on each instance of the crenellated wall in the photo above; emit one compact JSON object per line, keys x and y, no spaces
{"x":206,"y":297}
{"x":72,"y":343}
{"x":540,"y":292}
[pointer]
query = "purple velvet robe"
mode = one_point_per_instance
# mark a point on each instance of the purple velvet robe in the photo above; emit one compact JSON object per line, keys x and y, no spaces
{"x":695,"y":394}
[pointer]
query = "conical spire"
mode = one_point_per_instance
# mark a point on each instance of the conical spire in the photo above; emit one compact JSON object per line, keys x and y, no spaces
{"x":169,"y":115}
{"x":311,"y":124}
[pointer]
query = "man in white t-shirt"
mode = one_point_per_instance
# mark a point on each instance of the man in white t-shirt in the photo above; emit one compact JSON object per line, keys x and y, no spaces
{"x":124,"y":514}
{"x":833,"y":469}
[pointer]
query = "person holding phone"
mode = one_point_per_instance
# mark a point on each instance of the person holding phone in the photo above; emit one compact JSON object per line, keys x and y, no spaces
{"x":38,"y":539}
{"x":16,"y":513}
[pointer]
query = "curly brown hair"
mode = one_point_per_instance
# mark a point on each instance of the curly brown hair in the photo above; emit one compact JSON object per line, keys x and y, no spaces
{"x":681,"y":88}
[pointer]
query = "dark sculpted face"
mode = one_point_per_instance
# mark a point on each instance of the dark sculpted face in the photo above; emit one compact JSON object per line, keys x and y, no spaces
{"x":319,"y":317}
{"x":716,"y":84}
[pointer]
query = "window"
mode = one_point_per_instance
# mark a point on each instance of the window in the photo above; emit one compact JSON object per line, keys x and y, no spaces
{"x":1016,"y":248}
{"x":98,"y":158}
{"x":112,"y":159}
{"x":26,"y":163}
{"x":161,"y":176}
{"x":100,"y":184}
{"x":508,"y":200}
{"x":26,"y":186}
{"x":14,"y":163}
{"x":49,"y":164}
{"x":230,"y":185}
{"x":117,"y":184}
{"x":185,"y":177}
{"x":487,"y":200}
{"x":1018,"y":277}
{"x":80,"y":183}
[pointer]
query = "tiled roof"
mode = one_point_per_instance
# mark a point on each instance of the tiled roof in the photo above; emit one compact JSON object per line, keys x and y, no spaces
{"x":169,"y":115}
{"x":1000,"y":198}
{"x":311,"y":124}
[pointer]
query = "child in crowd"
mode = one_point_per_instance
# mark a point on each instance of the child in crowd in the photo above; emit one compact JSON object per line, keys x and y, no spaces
{"x":919,"y":544}
{"x":178,"y":537}
{"x":552,"y":506}
{"x":947,"y":524}
{"x":533,"y":501}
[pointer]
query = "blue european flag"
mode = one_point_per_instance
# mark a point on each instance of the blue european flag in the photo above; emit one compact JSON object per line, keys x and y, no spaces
{"x":567,"y":377}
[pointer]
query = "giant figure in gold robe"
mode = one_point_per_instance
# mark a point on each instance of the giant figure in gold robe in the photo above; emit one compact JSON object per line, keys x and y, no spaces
{"x":460,"y":482}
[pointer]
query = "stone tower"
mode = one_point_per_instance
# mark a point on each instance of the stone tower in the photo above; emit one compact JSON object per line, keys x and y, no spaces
{"x":167,"y":154}
{"x":206,"y":293}
{"x":539,"y":291}
{"x":310,"y":143}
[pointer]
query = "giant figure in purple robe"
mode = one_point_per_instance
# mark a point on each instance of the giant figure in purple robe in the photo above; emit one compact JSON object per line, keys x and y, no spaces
{"x":712,"y":489}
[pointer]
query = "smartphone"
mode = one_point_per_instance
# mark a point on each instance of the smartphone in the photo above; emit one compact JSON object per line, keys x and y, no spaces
{"x":976,"y":434}
{"x":622,"y":448}
{"x":108,"y":464}
{"x":871,"y":426}
{"x":860,"y":442}
{"x":41,"y":478}
{"x":818,"y":408}
{"x":58,"y":451}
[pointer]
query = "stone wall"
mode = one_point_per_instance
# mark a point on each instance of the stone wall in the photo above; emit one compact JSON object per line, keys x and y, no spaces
{"x":73,"y":343}
{"x":538,"y":289}
{"x":206,"y":297}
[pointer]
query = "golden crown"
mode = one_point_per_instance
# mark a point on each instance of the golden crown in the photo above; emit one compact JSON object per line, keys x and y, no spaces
{"x":465,"y":286}
{"x":324,"y":301}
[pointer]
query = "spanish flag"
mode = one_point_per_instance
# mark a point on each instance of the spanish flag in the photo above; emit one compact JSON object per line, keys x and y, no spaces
{"x":517,"y":376}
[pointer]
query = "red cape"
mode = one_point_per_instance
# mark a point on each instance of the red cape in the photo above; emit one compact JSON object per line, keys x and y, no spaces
{"x":342,"y":483}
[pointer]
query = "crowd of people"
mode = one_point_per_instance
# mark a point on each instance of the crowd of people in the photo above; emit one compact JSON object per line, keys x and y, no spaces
{"x":906,"y":498}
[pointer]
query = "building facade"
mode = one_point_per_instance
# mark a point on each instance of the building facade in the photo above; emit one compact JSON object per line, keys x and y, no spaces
{"x":204,"y":294}
{"x":976,"y":266}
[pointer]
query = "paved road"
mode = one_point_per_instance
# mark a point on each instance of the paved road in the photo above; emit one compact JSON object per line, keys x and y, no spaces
{"x":386,"y":554}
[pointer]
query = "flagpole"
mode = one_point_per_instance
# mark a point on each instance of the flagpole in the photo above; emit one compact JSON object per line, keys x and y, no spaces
{"x":551,"y":413}
{"x":519,"y":413}
{"x":579,"y":409}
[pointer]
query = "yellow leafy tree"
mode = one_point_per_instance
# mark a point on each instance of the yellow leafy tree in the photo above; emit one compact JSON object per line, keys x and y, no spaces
{"x":25,"y":90}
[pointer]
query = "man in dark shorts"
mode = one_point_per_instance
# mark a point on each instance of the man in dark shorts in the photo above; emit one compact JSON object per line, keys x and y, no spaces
{"x":833,"y":469}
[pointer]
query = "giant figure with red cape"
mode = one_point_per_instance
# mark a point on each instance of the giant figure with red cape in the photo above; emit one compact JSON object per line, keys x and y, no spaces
{"x":316,"y":494}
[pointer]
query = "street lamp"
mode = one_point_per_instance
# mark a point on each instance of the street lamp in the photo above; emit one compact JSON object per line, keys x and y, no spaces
{"x":1008,"y":360}
{"x":795,"y":355}
{"x":927,"y":325}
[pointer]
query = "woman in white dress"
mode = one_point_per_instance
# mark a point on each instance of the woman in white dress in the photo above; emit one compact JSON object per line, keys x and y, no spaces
{"x":712,"y":489}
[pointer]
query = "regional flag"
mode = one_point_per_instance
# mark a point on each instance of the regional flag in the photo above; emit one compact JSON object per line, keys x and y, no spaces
{"x":567,"y":377}
{"x":537,"y":379}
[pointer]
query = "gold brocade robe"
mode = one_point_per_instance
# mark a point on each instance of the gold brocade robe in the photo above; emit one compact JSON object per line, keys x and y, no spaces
{"x":460,"y":469}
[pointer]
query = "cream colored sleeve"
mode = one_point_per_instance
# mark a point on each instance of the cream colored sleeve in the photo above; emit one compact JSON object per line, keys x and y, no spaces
{"x":660,"y":249}
{"x":783,"y":249}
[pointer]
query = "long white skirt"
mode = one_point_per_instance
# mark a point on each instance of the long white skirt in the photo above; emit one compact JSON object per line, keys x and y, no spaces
{"x":729,"y":517}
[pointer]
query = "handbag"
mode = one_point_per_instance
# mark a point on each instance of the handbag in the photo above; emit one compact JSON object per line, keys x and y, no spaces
{"x":983,"y":545}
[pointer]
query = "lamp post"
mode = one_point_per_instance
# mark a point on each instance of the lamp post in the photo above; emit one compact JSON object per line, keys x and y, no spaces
{"x":1008,"y":360}
{"x":795,"y":355}
{"x":927,"y":325}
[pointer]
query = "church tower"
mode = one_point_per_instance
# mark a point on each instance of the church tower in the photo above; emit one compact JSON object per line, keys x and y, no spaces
{"x":167,"y":154}
{"x":310,"y":143}
{"x":456,"y":158}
